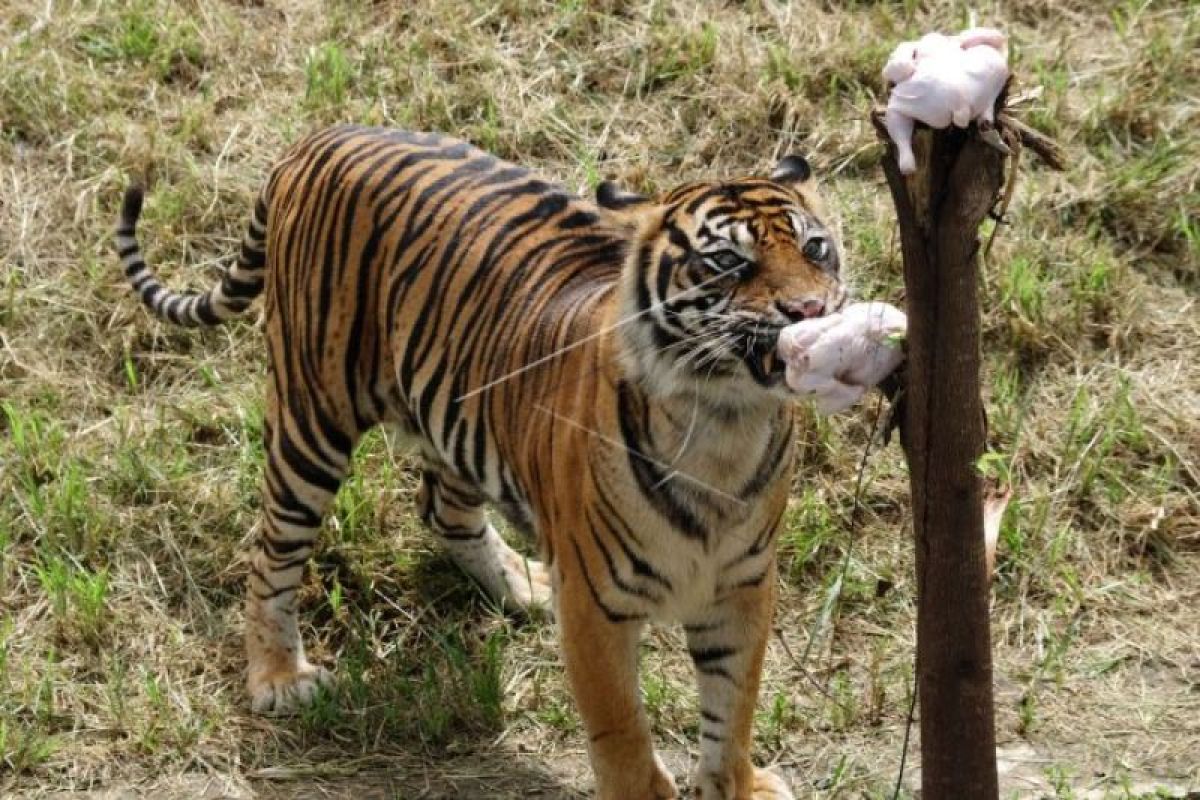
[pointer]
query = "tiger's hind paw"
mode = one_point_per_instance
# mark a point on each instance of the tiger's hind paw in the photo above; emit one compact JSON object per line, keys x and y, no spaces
{"x":528,"y":585}
{"x":518,"y":583}
{"x":285,"y":691}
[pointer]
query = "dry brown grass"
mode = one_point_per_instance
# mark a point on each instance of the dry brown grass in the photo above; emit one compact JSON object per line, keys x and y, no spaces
{"x":129,"y":452}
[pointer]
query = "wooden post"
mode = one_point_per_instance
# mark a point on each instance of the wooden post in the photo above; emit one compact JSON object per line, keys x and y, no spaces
{"x":940,"y":207}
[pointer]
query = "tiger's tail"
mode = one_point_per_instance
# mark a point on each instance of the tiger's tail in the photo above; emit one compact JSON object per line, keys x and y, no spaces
{"x":236,"y":291}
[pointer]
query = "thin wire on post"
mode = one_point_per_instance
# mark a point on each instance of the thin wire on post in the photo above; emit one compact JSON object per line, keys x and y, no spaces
{"x":852,"y":530}
{"x":851,"y":525}
{"x":912,"y":707}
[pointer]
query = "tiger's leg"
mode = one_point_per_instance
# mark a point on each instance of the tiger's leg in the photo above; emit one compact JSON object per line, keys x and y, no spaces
{"x":299,"y":487}
{"x":599,"y":649}
{"x":727,"y":648}
{"x":455,"y":512}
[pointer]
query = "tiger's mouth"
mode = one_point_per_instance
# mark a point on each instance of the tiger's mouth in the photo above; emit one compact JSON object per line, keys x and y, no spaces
{"x":759,"y":354}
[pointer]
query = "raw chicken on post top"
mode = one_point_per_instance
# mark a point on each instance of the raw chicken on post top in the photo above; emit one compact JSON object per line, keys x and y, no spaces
{"x":941,"y":80}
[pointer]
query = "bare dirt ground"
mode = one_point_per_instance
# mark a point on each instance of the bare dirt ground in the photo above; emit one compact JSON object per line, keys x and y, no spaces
{"x":129,"y":451}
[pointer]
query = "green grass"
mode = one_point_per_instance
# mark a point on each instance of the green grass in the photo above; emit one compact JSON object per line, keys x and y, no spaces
{"x":437,"y":694}
{"x":328,"y":77}
{"x":131,"y":457}
{"x":76,"y":596}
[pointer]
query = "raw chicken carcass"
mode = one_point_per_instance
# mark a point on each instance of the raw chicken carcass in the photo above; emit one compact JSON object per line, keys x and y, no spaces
{"x":991,"y":37}
{"x":985,"y":71}
{"x":941,"y":80}
{"x":835,"y":359}
{"x":902,"y":64}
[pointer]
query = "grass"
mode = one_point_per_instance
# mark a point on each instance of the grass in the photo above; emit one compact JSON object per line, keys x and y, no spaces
{"x":130,"y":452}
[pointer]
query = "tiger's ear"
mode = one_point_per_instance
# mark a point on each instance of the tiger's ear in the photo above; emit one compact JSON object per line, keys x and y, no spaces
{"x":614,"y":198}
{"x":792,"y":170}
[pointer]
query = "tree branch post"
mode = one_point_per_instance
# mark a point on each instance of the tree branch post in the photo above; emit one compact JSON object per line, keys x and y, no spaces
{"x":940,"y":208}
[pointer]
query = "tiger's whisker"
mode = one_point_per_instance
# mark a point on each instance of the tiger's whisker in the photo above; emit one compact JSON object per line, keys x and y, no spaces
{"x":648,"y":459}
{"x":665,"y":480}
{"x":602,"y":332}
{"x":687,"y":436}
{"x":702,"y":352}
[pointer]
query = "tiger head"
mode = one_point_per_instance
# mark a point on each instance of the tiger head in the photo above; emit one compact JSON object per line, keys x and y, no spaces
{"x":714,"y":272}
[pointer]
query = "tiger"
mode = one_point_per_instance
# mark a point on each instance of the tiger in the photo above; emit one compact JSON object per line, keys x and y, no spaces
{"x":602,"y":372}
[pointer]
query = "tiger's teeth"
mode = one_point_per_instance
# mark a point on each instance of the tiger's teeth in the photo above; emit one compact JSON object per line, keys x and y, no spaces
{"x":769,"y":362}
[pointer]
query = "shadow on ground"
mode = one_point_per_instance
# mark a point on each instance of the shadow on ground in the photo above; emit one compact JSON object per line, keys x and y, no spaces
{"x":495,"y":775}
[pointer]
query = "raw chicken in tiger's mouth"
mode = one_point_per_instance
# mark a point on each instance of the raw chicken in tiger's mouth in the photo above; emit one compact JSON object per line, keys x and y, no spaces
{"x":760,"y":346}
{"x":837,"y":358}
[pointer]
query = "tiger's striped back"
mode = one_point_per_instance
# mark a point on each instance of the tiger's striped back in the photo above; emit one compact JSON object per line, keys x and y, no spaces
{"x":409,"y":270}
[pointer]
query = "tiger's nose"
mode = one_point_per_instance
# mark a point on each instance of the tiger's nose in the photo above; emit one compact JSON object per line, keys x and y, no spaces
{"x":801,"y":308}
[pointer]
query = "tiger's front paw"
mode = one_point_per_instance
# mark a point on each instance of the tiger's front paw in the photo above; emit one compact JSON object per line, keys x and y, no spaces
{"x":285,"y":691}
{"x":765,"y":785}
{"x":769,"y":786}
{"x":656,"y":784}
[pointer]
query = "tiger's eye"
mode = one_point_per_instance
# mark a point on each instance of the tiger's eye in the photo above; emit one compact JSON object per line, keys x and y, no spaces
{"x":816,"y":249}
{"x":725,"y":259}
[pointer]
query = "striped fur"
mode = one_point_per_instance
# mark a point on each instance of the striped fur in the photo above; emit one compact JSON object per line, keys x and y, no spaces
{"x":602,"y":373}
{"x":233,"y":295}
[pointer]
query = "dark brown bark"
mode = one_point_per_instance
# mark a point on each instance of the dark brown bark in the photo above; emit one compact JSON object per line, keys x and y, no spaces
{"x":940,"y":208}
